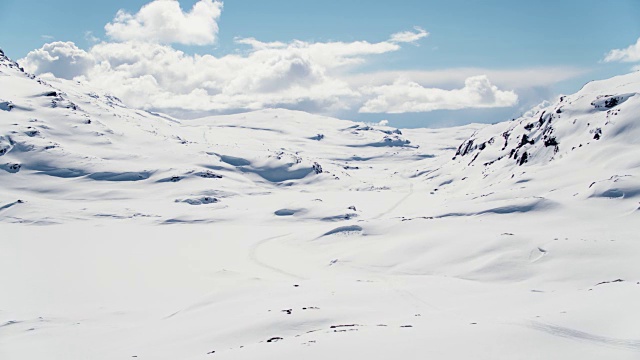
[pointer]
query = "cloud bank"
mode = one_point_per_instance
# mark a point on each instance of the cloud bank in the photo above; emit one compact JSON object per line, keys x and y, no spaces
{"x":403,"y":97}
{"x":139,"y":65}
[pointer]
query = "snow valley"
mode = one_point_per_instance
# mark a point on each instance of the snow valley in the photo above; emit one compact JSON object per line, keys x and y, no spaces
{"x":279,"y":234}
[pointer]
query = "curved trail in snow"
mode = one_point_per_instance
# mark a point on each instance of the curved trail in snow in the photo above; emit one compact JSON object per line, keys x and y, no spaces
{"x":396,"y":205}
{"x":253,"y":256}
{"x":577,"y":335}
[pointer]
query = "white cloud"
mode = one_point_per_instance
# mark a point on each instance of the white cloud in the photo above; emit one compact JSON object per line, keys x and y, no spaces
{"x":407,"y":96}
{"x":409,"y":36}
{"x":163,"y":21}
{"x":452,"y":77}
{"x":63,"y":59}
{"x":299,"y":74}
{"x":160,"y":77}
{"x":88,"y":35}
{"x":329,"y":54}
{"x":630,"y":54}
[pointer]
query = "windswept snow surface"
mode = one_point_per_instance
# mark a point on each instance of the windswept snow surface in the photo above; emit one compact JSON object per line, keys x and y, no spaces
{"x":283,"y":235}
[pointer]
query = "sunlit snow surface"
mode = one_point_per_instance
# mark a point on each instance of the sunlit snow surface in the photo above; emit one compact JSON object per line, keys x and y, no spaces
{"x":284,"y":235}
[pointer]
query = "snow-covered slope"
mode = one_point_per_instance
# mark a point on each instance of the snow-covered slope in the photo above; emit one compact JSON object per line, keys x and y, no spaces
{"x":283,"y":235}
{"x":580,"y":151}
{"x":64,"y":147}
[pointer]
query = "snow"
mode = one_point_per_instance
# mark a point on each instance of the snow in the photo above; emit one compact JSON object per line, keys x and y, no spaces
{"x":279,"y":234}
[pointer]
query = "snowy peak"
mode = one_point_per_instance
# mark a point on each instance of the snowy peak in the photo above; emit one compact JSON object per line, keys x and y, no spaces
{"x":603,"y":111}
{"x":8,"y":63}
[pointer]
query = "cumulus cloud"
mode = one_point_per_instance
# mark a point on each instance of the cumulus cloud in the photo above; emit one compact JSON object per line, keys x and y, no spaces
{"x":409,"y":36}
{"x":299,"y":74}
{"x":407,"y":96}
{"x":163,"y":21}
{"x":630,"y":54}
{"x":63,"y":59}
{"x":157,"y":76}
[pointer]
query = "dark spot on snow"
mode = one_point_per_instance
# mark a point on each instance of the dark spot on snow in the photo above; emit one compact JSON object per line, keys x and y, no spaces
{"x":10,"y":322}
{"x":551,"y":142}
{"x":525,"y":140}
{"x":285,"y":212}
{"x":465,"y":148}
{"x":205,"y":200}
{"x":275,"y":339}
{"x":209,"y":175}
{"x":609,"y":282}
{"x":343,"y":326}
{"x":611,"y":102}
{"x":342,"y":217}
{"x":11,"y":168}
{"x":6,"y":105}
{"x":524,"y":159}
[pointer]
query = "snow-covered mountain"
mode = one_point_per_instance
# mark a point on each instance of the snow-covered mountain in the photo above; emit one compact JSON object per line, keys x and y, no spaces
{"x":584,"y":146}
{"x":279,"y":234}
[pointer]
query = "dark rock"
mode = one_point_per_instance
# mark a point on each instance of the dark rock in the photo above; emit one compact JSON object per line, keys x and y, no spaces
{"x":551,"y":142}
{"x":524,"y":159}
{"x":609,"y":103}
{"x":610,"y":282}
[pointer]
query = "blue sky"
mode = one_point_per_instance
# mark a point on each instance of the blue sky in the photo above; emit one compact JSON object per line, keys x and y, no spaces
{"x":484,"y":35}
